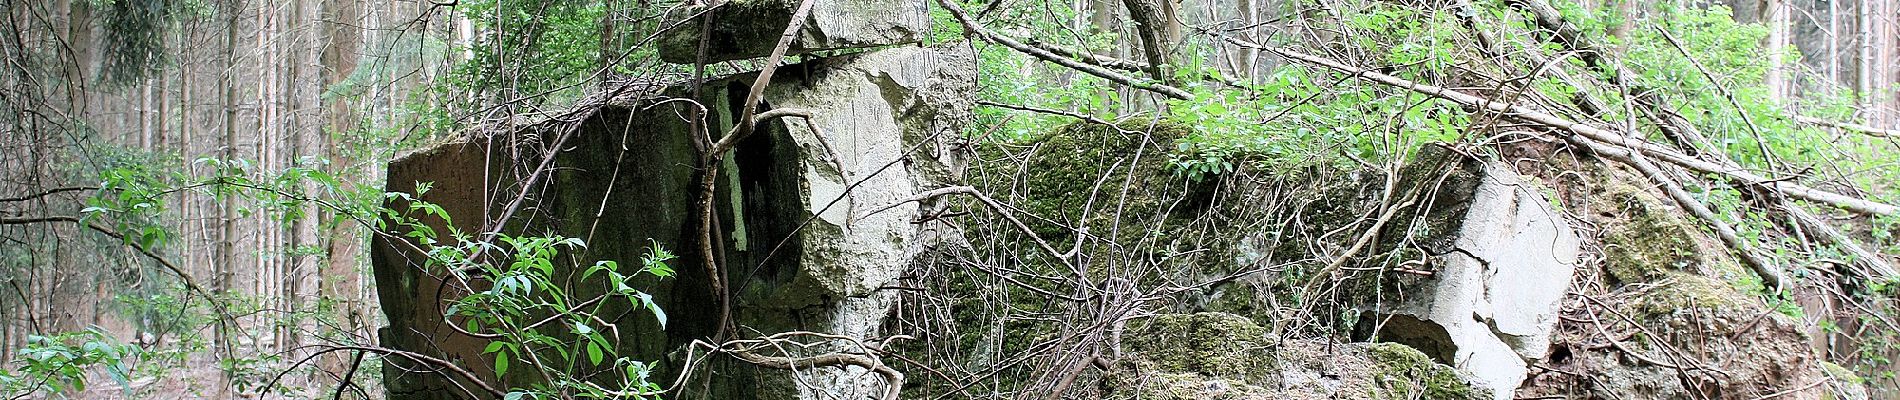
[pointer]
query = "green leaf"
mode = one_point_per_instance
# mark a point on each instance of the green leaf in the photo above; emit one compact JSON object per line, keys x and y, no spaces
{"x":658,"y":314}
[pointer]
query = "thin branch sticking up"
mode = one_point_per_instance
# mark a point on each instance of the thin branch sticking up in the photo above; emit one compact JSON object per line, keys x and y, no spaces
{"x":747,"y":120}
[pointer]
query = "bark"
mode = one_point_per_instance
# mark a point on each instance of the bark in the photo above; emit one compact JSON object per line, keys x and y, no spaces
{"x":1153,"y":24}
{"x":227,"y":217}
{"x":339,"y":279}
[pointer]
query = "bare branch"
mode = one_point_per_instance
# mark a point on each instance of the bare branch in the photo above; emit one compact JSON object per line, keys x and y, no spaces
{"x":49,"y":192}
{"x":148,"y":253}
{"x":748,"y":119}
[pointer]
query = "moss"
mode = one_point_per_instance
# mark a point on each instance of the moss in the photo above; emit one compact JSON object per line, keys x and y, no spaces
{"x":1179,"y":386}
{"x":1648,"y":239}
{"x":1405,"y":373}
{"x":1062,"y":173}
{"x":1235,"y":297}
{"x":1209,"y":344}
{"x":1840,"y":373}
{"x":1676,"y":291}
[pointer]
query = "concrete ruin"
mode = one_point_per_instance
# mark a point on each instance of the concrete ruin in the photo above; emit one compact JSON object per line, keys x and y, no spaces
{"x":1503,"y":259}
{"x":802,"y":249}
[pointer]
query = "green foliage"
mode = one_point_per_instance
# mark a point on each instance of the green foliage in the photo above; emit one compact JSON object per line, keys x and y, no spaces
{"x":1298,"y":118}
{"x":58,"y":365}
{"x":534,"y":316}
{"x":541,"y":46}
{"x":133,"y":37}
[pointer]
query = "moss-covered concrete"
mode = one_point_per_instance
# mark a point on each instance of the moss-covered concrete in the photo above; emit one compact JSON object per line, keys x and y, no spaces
{"x":1062,"y":173}
{"x":1405,"y":373}
{"x":1210,"y":344}
{"x":1647,"y":239}
{"x":1179,"y":386}
{"x":742,"y":29}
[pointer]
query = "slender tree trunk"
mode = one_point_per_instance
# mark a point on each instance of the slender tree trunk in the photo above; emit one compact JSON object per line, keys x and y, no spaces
{"x":1864,"y":51}
{"x":227,"y":217}
{"x":609,"y":44}
{"x":340,"y":278}
{"x":1776,"y":13}
{"x":303,"y":230}
{"x":1154,"y":25}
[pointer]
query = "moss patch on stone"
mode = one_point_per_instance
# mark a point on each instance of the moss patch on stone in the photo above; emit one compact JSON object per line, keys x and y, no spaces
{"x":1062,"y":173}
{"x":743,"y":29}
{"x":1209,"y":344}
{"x":1406,"y":373}
{"x":1840,"y":373}
{"x":1675,"y":291}
{"x":1649,"y":238}
{"x":1180,"y":386}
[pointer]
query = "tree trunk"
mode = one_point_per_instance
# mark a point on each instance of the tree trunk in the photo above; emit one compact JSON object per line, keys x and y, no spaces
{"x":1155,"y":26}
{"x":339,"y":280}
{"x":227,"y":224}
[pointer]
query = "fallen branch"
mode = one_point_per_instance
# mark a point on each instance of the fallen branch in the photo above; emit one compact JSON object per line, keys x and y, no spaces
{"x":1568,"y":35}
{"x":1771,"y":274}
{"x":1529,"y":115}
{"x":1806,"y":221}
{"x":1846,"y":126}
{"x":893,"y":380}
{"x":1811,"y":223}
{"x":1088,"y":57}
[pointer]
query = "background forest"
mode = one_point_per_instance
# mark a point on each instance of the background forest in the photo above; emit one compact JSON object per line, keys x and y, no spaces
{"x":188,"y":187}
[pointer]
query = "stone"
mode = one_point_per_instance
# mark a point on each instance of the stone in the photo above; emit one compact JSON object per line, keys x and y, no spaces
{"x":1503,"y":265}
{"x":803,"y":251}
{"x":1226,"y":356}
{"x":743,"y":29}
{"x":1210,"y":344}
{"x":1689,"y":297}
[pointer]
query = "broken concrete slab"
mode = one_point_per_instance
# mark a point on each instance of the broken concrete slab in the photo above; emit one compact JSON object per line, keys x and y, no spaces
{"x":740,"y":29}
{"x":1501,"y":275}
